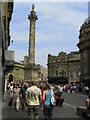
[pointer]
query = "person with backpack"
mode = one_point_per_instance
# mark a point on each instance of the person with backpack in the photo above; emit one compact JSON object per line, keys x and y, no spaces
{"x":47,"y":107}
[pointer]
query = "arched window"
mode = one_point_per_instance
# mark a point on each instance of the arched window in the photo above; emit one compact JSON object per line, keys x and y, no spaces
{"x":10,"y":77}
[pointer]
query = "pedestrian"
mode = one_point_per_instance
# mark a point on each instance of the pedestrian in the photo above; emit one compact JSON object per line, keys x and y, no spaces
{"x":11,"y":91}
{"x":87,"y":90}
{"x":74,"y":88}
{"x":60,"y":87}
{"x":11,"y":88}
{"x":43,"y":89}
{"x":22,"y":96}
{"x":66,"y":88}
{"x":8,"y":86}
{"x":47,"y":107}
{"x":16,"y":93}
{"x":88,"y":102}
{"x":33,"y":100}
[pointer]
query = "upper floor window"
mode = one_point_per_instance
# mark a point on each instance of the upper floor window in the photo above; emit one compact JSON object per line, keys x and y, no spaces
{"x":71,"y":75}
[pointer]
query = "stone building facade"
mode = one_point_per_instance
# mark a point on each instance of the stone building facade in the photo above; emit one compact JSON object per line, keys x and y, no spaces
{"x":1,"y":57}
{"x":6,"y":10}
{"x":73,"y":67}
{"x":84,"y":48}
{"x":64,"y":68}
{"x":44,"y":74}
{"x":14,"y":70}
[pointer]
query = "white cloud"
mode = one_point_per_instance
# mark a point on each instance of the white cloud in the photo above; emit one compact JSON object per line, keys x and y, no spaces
{"x":61,"y":13}
{"x":19,"y":55}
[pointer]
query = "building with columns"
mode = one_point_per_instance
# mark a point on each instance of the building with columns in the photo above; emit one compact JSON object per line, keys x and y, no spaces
{"x":84,"y":48}
{"x":14,"y":70}
{"x":73,"y":67}
{"x":64,"y":68}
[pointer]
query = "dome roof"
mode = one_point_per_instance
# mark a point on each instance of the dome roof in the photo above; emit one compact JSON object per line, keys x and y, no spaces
{"x":87,"y":20}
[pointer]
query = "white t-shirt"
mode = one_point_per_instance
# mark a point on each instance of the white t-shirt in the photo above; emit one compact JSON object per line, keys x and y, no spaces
{"x":33,"y":94}
{"x":11,"y":88}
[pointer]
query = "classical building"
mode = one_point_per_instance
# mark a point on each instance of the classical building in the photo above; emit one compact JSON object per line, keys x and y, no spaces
{"x":14,"y":70}
{"x":57,"y":68}
{"x":1,"y":57}
{"x":6,"y":10}
{"x":73,"y":67}
{"x":63,"y":68}
{"x":32,"y":71}
{"x":84,"y":48}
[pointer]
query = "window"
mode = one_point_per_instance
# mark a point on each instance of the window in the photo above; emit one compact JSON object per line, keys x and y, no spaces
{"x":56,"y":72}
{"x":56,"y":66}
{"x":76,"y":74}
{"x":71,"y":75}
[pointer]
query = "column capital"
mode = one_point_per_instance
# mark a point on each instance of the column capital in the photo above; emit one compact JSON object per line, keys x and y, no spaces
{"x":32,"y":16}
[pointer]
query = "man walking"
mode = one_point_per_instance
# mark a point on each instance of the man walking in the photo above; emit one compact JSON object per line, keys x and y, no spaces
{"x":22,"y":95}
{"x":33,"y":96}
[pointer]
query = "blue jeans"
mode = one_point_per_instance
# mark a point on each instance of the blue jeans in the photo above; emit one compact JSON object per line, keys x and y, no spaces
{"x":48,"y":112}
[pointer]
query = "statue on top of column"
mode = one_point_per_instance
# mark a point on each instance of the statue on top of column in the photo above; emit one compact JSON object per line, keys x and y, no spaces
{"x":33,"y":7}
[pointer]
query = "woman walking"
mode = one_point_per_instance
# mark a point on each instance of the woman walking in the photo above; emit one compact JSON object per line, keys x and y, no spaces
{"x":48,"y":108}
{"x":16,"y":97}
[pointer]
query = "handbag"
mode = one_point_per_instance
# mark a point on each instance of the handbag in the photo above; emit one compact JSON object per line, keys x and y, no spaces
{"x":10,"y":103}
{"x":53,"y":101}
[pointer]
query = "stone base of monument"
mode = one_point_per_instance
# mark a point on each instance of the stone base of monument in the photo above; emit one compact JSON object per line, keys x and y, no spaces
{"x":83,"y":111}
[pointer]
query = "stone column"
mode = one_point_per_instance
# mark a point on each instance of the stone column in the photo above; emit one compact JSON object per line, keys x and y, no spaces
{"x":31,"y":51}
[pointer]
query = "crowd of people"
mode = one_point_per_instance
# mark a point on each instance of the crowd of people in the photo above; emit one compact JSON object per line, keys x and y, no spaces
{"x":32,"y":97}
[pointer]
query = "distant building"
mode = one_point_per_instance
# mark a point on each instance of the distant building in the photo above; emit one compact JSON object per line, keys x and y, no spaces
{"x":57,"y":68}
{"x":84,"y":48}
{"x":63,"y":68}
{"x":44,"y":74}
{"x":73,"y":67}
{"x":14,"y":70}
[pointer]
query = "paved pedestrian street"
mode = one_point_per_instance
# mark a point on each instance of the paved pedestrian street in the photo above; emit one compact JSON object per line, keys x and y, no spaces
{"x":68,"y":110}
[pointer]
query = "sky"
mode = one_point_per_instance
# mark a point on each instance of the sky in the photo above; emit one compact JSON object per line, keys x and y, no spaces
{"x":57,"y":28}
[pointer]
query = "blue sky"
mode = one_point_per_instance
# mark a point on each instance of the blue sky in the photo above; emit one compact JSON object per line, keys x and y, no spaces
{"x":57,"y":28}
